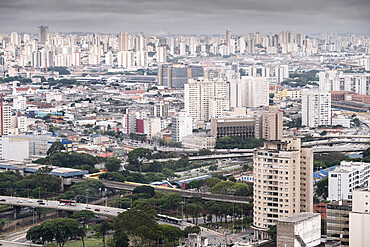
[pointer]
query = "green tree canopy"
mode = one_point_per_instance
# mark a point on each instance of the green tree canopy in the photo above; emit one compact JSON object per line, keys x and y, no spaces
{"x":113,"y":164}
{"x":56,"y":147}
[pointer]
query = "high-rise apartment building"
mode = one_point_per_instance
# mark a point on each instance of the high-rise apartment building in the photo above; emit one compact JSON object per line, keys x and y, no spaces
{"x":228,"y":37}
{"x":177,"y":75}
{"x":206,"y":98}
{"x":42,"y":34}
{"x":161,"y":54}
{"x":272,"y":124}
{"x":181,"y":126}
{"x":5,"y":118}
{"x":283,"y":183}
{"x":316,"y":108}
{"x":123,"y":41}
{"x":359,"y":218}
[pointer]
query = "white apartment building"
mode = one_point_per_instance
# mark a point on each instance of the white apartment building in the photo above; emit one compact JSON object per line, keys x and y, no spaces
{"x":206,"y":98}
{"x":5,"y":118}
{"x":182,"y":125}
{"x":316,"y":108}
{"x":19,"y":103}
{"x":283,"y":183}
{"x":359,"y":218}
{"x":249,"y":91}
{"x":345,"y":178}
{"x":335,"y":80}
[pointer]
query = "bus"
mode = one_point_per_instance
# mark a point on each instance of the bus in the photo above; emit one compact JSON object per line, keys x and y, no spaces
{"x":169,"y":219}
{"x":63,"y":202}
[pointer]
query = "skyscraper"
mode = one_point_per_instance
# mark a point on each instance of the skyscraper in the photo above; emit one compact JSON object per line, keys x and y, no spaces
{"x":181,"y":126}
{"x":5,"y":118}
{"x":228,"y":37}
{"x":283,"y":183}
{"x":123,"y":41}
{"x":42,"y":34}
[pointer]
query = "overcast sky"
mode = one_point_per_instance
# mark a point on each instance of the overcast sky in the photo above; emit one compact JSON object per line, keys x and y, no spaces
{"x":186,"y":16}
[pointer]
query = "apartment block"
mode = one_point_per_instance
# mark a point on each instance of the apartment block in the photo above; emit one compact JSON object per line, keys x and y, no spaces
{"x":316,"y":108}
{"x":283,"y":184}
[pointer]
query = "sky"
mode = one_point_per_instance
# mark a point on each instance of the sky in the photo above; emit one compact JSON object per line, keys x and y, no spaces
{"x":186,"y":16}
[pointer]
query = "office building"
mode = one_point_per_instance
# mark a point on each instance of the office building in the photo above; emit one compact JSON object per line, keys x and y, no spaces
{"x":337,"y":214}
{"x":345,"y":178}
{"x":283,"y":183}
{"x":42,"y":34}
{"x":205,"y":98}
{"x":17,"y":150}
{"x":303,"y":229}
{"x":38,"y":145}
{"x":177,"y":75}
{"x":182,"y":125}
{"x":359,"y":218}
{"x":272,"y":124}
{"x":316,"y":108}
{"x":242,"y":127}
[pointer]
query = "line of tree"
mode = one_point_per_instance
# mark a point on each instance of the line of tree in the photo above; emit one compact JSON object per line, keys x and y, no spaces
{"x":231,"y":142}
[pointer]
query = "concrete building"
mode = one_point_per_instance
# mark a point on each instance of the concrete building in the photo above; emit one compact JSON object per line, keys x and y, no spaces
{"x":5,"y":118}
{"x":38,"y":145}
{"x":283,"y":183}
{"x":16,"y":150}
{"x":243,"y":127}
{"x":123,"y":41}
{"x":345,"y":178}
{"x":177,"y":75}
{"x":316,"y":108}
{"x":272,"y":124}
{"x":205,"y":99}
{"x":199,"y":141}
{"x":338,"y":221}
{"x":359,"y":218}
{"x":42,"y":34}
{"x":182,"y":125}
{"x":303,"y":229}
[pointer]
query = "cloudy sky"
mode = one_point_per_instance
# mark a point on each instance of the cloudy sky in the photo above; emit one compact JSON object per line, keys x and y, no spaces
{"x":186,"y":16}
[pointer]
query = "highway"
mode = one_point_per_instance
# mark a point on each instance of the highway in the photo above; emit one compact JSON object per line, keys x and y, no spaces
{"x":183,"y":193}
{"x":27,"y":202}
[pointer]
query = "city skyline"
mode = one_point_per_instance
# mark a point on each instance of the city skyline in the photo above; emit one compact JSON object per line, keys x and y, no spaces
{"x":192,"y":17}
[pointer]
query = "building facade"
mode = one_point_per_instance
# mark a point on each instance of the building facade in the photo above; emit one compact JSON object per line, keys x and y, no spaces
{"x":316,"y":108}
{"x":338,"y":221}
{"x":177,"y":75}
{"x":345,"y":178}
{"x":283,"y":183}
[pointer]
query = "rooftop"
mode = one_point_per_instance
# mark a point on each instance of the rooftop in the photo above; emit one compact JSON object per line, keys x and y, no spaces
{"x":300,"y":217}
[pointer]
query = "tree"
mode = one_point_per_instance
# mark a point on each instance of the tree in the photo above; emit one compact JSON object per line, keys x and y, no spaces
{"x":60,"y":229}
{"x":103,"y":230}
{"x":137,"y":156}
{"x":138,"y":222}
{"x":56,"y":147}
{"x":120,"y":239}
{"x":83,"y":215}
{"x":145,"y":190}
{"x":322,"y":188}
{"x":113,"y":164}
{"x":172,"y":233}
{"x":272,"y":232}
{"x":81,"y":232}
{"x":191,"y":229}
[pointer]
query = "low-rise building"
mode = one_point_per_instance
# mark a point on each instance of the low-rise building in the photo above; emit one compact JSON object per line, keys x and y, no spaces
{"x":199,"y":140}
{"x":346,"y":177}
{"x":303,"y":229}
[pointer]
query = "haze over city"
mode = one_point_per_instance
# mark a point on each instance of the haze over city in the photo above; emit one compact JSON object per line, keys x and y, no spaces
{"x":186,"y":17}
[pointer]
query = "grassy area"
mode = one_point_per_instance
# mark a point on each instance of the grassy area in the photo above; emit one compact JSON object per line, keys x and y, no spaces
{"x":88,"y":243}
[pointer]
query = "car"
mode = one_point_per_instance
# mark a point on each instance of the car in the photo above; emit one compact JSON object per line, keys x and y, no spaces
{"x":87,"y":207}
{"x":40,"y":201}
{"x":106,"y":210}
{"x":47,"y":204}
{"x":2,"y":200}
{"x":61,"y":204}
{"x":118,"y":212}
{"x":97,"y":209}
{"x":30,"y":201}
{"x":19,"y":201}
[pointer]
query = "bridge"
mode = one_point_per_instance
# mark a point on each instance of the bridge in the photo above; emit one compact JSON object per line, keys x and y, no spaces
{"x":183,"y":193}
{"x":19,"y":202}
{"x":347,"y":148}
{"x":335,"y":141}
{"x":249,"y":153}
